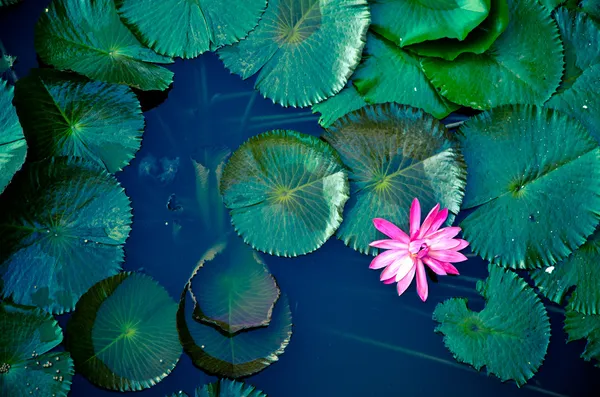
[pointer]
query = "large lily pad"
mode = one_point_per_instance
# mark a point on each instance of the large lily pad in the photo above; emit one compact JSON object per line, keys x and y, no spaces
{"x":509,"y":336}
{"x":285,"y":191}
{"x":304,"y":51}
{"x":391,"y":74}
{"x":62,"y":227}
{"x":89,"y":38}
{"x":523,"y":161}
{"x":123,"y":334}
{"x":188,"y":28}
{"x":346,"y":101}
{"x":232,"y":288}
{"x":67,"y":115}
{"x":224,"y":388}
{"x":26,"y":367}
{"x":524,"y":65}
{"x":585,"y":326}
{"x":394,"y":154}
{"x":478,"y":40}
{"x":13,"y":147}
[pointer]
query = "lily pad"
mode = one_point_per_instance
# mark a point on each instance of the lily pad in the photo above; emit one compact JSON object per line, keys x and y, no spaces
{"x":188,"y":28}
{"x":477,"y":41}
{"x":233,"y":289}
{"x":590,"y":7}
{"x":8,"y":2}
{"x":391,"y":74}
{"x":285,"y":191}
{"x":585,"y":326}
{"x":523,"y":162}
{"x":13,"y":147}
{"x":580,"y":270}
{"x":304,"y":51}
{"x":225,"y":388}
{"x":524,"y":65}
{"x":406,"y":22}
{"x":63,"y":226}
{"x":89,"y":38}
{"x":123,"y":334}
{"x":68,"y":115}
{"x":26,"y":367}
{"x":509,"y":336}
{"x":394,"y":154}
{"x":333,"y":108}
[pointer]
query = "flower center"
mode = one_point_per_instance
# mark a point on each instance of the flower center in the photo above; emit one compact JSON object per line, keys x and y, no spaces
{"x":418,"y":248}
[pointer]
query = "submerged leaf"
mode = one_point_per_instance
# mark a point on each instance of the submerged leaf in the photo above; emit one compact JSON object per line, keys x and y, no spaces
{"x":68,"y":115}
{"x":13,"y":147}
{"x":394,"y":154}
{"x":285,"y":191}
{"x":585,"y":326}
{"x":509,"y":336}
{"x":123,"y":334}
{"x":304,"y":51}
{"x":339,"y":105}
{"x":523,"y":163}
{"x":89,"y":38}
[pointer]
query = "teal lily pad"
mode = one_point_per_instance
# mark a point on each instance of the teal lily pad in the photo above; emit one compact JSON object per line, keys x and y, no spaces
{"x":394,"y":154}
{"x":63,"y":226}
{"x":406,"y":22}
{"x":580,"y":270}
{"x":285,"y":191}
{"x":225,"y":388}
{"x":303,"y":51}
{"x":590,"y":7}
{"x":123,"y":333}
{"x":339,"y":105}
{"x":13,"y":147}
{"x":67,"y":115}
{"x":26,"y":366}
{"x":585,"y":326}
{"x":524,"y":65}
{"x":551,"y":4}
{"x":233,"y":289}
{"x":182,"y":28}
{"x":477,"y":41}
{"x":391,"y":74}
{"x":523,"y":162}
{"x":509,"y":336}
{"x":89,"y":38}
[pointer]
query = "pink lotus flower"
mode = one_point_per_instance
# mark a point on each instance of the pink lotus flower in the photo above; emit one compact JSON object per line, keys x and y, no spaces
{"x":427,"y":244}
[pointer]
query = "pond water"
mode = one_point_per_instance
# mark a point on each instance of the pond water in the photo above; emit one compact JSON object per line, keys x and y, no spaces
{"x":352,"y":335}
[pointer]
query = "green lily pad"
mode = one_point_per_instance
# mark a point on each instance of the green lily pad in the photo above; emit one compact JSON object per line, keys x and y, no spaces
{"x":391,"y":74}
{"x":285,"y":191}
{"x":590,"y":7}
{"x":188,"y":28}
{"x":224,"y":388}
{"x":67,"y":115}
{"x":304,"y":51}
{"x":394,"y":154}
{"x":580,"y":270}
{"x":62,"y":229}
{"x":551,"y":4}
{"x":509,"y":336}
{"x":233,"y":288}
{"x":523,"y":162}
{"x":524,"y":65}
{"x":339,"y":105}
{"x":26,"y":367}
{"x":123,"y":333}
{"x":13,"y":147}
{"x":89,"y":38}
{"x":406,"y":22}
{"x":478,"y":40}
{"x":585,"y":326}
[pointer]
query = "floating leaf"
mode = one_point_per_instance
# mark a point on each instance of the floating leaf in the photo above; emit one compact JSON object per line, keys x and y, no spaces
{"x":524,"y":65}
{"x":285,"y":191}
{"x":13,"y":147}
{"x":303,"y":50}
{"x":225,"y":388}
{"x":551,"y":4}
{"x":582,"y":271}
{"x":26,"y":367}
{"x":188,"y":28}
{"x":478,"y":41}
{"x":233,"y":288}
{"x":590,"y":7}
{"x":523,"y":162}
{"x":394,"y":154}
{"x":585,"y":326}
{"x":67,"y":115}
{"x":333,"y":108}
{"x":8,"y":2}
{"x":123,"y":334}
{"x":89,"y":38}
{"x":509,"y":336}
{"x":62,"y":227}
{"x":406,"y":22}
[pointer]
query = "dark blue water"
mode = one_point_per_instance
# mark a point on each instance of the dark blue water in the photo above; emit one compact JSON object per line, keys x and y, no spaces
{"x":353,"y":336}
